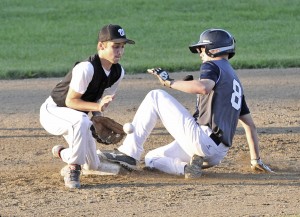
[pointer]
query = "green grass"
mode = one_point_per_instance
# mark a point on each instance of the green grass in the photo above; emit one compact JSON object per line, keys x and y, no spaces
{"x":43,"y":38}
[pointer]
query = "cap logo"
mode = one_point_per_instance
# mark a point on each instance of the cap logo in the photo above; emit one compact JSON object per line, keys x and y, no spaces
{"x":121,"y":32}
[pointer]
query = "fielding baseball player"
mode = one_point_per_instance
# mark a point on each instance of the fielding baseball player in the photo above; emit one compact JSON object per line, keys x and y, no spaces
{"x":201,"y":140}
{"x":89,"y":87}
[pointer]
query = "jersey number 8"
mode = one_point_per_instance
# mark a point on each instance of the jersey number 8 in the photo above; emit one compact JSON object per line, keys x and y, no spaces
{"x":236,"y":97}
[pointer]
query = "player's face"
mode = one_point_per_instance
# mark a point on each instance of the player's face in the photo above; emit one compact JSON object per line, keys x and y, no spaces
{"x":112,"y":51}
{"x":203,"y":55}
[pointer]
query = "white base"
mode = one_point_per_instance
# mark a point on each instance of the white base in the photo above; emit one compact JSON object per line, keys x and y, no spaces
{"x":105,"y":168}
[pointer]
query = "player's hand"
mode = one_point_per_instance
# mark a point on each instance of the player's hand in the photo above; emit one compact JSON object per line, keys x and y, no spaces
{"x":258,"y":165}
{"x":105,"y":102}
{"x":162,"y":75}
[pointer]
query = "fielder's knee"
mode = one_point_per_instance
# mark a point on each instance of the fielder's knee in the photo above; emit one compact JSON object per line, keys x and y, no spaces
{"x":84,"y":122}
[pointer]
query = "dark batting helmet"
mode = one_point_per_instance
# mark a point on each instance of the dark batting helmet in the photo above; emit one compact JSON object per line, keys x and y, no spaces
{"x":215,"y":39}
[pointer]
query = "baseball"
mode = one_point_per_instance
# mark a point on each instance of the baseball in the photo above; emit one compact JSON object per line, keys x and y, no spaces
{"x":128,"y":128}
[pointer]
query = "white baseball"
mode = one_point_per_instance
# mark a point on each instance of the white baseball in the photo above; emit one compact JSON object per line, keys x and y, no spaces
{"x":128,"y":128}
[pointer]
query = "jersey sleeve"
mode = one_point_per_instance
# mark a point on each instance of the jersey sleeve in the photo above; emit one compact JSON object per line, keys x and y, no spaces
{"x":82,"y":75}
{"x":244,"y":110}
{"x":210,"y":71}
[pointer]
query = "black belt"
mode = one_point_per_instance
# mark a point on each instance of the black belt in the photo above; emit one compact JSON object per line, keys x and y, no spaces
{"x":215,"y":138}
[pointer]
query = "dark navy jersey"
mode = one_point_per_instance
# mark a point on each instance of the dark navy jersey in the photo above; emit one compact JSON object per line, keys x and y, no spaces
{"x":212,"y":72}
{"x":221,"y":108}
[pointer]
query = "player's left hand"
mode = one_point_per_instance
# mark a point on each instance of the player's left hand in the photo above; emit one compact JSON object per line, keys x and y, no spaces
{"x":105,"y":102}
{"x":258,"y":165}
{"x":162,"y":75}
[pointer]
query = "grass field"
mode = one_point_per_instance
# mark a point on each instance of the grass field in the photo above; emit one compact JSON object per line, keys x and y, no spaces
{"x":43,"y":38}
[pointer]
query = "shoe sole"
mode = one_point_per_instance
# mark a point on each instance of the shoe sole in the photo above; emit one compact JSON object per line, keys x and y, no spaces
{"x":192,"y":176}
{"x":127,"y":166}
{"x":72,"y":185}
{"x":124,"y":165}
{"x":194,"y":173}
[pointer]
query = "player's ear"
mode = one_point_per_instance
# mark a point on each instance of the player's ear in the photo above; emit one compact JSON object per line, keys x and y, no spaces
{"x":101,"y":45}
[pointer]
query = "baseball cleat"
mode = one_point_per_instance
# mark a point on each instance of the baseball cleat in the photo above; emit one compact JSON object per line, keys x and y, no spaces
{"x":56,"y":150}
{"x":193,"y":170}
{"x":116,"y":156}
{"x":72,"y":175}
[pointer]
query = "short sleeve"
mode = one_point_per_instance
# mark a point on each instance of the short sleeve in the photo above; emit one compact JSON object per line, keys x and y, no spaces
{"x":82,"y":75}
{"x":244,"y":110}
{"x":210,"y":71}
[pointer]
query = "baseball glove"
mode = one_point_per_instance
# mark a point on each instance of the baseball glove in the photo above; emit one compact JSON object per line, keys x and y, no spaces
{"x":162,"y":75}
{"x":106,"y":131}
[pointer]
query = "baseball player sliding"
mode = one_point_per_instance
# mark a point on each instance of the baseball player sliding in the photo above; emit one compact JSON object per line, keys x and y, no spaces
{"x":89,"y":87}
{"x":201,"y":140}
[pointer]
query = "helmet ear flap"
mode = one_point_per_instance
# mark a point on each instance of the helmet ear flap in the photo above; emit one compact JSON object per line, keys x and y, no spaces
{"x":210,"y":53}
{"x":213,"y":52}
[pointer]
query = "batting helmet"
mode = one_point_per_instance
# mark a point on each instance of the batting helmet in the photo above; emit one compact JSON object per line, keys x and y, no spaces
{"x":215,"y":39}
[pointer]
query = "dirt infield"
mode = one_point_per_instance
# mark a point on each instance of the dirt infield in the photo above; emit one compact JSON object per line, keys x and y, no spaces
{"x":30,"y":183}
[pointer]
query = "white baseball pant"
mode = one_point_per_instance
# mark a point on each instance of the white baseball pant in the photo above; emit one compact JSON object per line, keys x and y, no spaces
{"x":74,"y":126}
{"x":190,"y":138}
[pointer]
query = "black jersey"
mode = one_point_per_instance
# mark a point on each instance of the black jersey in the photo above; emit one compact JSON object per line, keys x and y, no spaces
{"x":98,"y":84}
{"x":221,"y":108}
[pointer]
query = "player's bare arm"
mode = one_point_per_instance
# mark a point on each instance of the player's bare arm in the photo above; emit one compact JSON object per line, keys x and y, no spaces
{"x":252,"y":139}
{"x":74,"y":101}
{"x":251,"y":135}
{"x":203,"y":86}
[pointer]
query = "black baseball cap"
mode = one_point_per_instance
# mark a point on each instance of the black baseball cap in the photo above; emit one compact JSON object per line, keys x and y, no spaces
{"x":113,"y":33}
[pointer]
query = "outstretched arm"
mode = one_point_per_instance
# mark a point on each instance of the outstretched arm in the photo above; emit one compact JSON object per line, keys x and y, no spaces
{"x":203,"y":86}
{"x":253,"y":142}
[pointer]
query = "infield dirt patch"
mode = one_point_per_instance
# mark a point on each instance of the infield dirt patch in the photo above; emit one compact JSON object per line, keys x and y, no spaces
{"x":30,"y":183}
